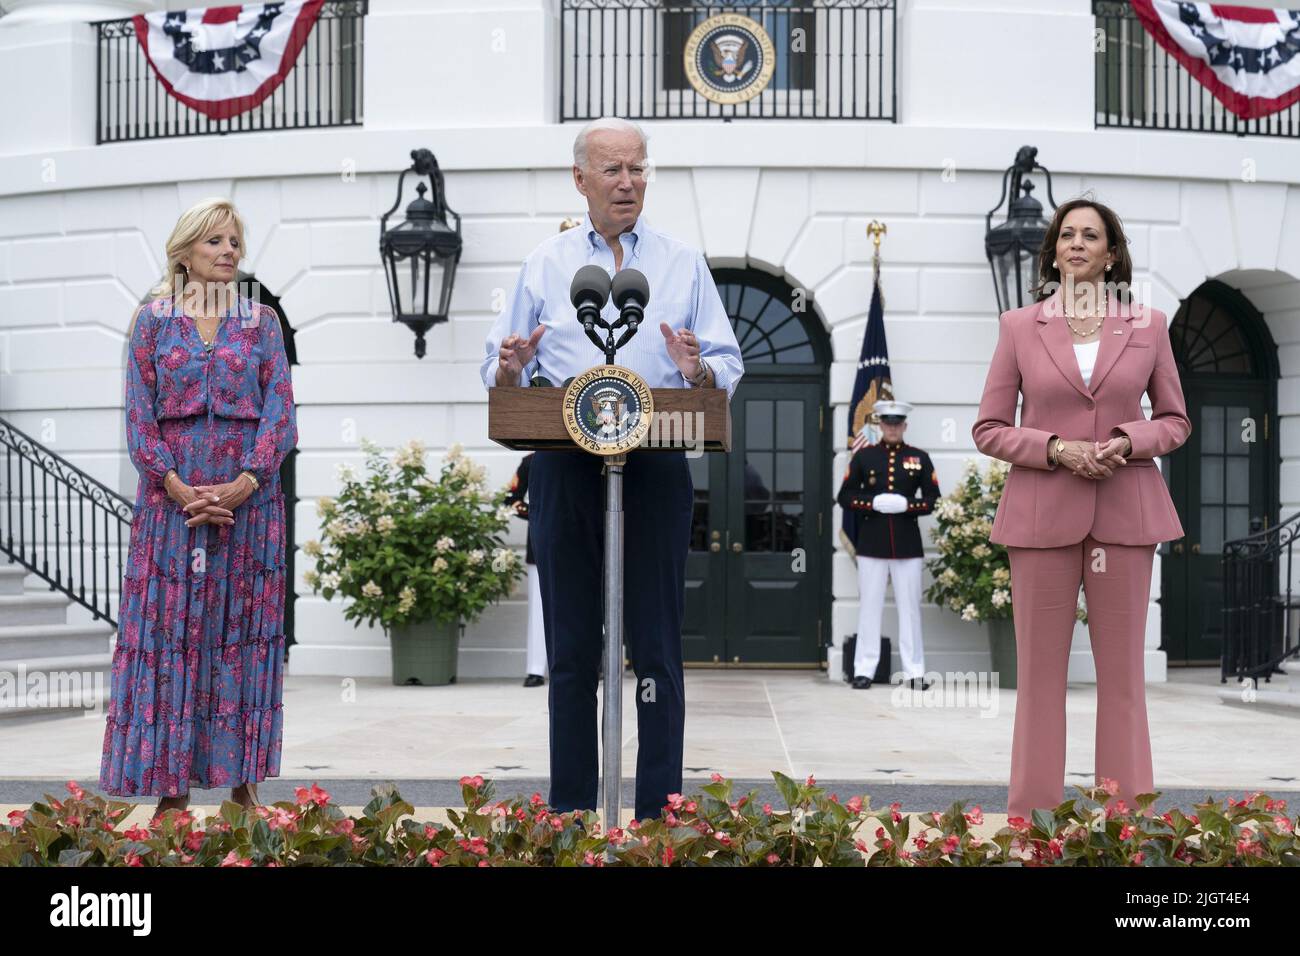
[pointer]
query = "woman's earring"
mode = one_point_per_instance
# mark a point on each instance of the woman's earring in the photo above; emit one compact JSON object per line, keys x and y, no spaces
{"x":1054,"y":265}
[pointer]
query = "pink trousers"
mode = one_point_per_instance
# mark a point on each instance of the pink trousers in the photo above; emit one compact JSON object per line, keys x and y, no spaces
{"x":1045,"y":582}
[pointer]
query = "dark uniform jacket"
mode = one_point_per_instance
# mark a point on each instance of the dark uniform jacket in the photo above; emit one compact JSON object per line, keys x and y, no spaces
{"x":518,"y":491}
{"x":902,"y":469}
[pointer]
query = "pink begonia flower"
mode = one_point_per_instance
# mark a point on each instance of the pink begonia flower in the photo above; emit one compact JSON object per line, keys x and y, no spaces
{"x":920,"y":842}
{"x":675,"y":801}
{"x":951,"y":843}
{"x":773,"y":858}
{"x":234,"y":859}
{"x":767,"y":809}
{"x":315,"y":795}
{"x":194,"y":840}
{"x":434,"y":855}
{"x":716,"y":777}
{"x":16,"y":818}
{"x":430,"y":831}
{"x":880,"y":833}
{"x":132,"y":859}
{"x":282,"y":818}
{"x":1138,"y":857}
{"x":854,"y":805}
{"x":535,"y":799}
{"x":475,"y":781}
{"x":616,"y":836}
{"x":668,"y":856}
{"x":346,"y":825}
{"x":75,"y":790}
{"x":812,"y":781}
{"x":1126,"y":831}
{"x":1283,"y":824}
{"x":557,"y":823}
{"x":1110,"y":786}
{"x":861,"y":846}
{"x":975,"y":817}
{"x":136,"y":832}
{"x":690,"y":807}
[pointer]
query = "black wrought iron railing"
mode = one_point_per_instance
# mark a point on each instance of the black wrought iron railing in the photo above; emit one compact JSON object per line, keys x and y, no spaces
{"x":68,"y":528}
{"x":833,"y":59}
{"x":1139,"y":85}
{"x":322,"y":88}
{"x":1261,"y":615}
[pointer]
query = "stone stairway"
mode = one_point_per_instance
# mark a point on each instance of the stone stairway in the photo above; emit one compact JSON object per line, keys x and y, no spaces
{"x":47,"y":664}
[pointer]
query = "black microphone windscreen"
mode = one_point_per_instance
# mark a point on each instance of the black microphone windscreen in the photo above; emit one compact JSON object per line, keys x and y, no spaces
{"x":590,"y":283}
{"x":629,"y":283}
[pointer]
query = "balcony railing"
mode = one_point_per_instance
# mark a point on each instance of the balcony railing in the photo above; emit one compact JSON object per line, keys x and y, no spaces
{"x":323,"y":88}
{"x":834,"y":59}
{"x":1140,"y":86}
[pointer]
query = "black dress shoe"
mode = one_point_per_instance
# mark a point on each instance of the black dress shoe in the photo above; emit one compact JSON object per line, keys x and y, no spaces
{"x":861,"y":683}
{"x":534,"y":680}
{"x":920,"y":683}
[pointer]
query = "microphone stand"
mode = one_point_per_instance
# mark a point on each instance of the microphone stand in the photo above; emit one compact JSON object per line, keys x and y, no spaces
{"x":611,"y":777}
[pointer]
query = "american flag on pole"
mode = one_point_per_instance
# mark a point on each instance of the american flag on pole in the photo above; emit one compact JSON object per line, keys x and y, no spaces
{"x":871,"y":384}
{"x":1248,"y":57}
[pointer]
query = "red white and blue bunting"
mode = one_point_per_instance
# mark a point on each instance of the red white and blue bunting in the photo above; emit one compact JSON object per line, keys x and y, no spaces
{"x":1248,"y":58}
{"x":223,"y":61}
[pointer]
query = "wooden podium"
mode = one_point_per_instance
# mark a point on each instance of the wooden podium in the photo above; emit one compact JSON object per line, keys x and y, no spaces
{"x":532,"y":418}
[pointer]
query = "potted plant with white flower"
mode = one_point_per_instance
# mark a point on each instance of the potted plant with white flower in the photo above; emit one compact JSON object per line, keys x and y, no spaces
{"x":419,"y":556}
{"x":972,"y":575}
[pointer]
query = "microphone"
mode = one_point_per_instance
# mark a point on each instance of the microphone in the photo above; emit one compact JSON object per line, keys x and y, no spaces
{"x":631,"y":293}
{"x":589,"y":292}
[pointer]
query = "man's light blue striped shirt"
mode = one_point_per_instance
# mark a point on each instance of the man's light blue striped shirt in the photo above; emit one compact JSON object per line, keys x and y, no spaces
{"x":682,"y":293}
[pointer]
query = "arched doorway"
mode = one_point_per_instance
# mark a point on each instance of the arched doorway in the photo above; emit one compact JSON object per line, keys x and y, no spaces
{"x":758,"y":571}
{"x":1224,"y":480}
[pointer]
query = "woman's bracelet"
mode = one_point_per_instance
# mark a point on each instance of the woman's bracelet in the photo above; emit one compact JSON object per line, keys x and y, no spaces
{"x":168,"y":474}
{"x":251,"y":477}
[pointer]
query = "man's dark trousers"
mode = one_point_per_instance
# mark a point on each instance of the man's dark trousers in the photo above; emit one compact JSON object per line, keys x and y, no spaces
{"x":567,"y":517}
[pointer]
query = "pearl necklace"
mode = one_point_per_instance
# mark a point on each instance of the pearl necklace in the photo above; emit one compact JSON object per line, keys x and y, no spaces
{"x":1100,"y":320}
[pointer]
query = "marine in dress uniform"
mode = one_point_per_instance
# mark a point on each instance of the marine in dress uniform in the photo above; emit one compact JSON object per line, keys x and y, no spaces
{"x":882,"y":481}
{"x":535,"y":657}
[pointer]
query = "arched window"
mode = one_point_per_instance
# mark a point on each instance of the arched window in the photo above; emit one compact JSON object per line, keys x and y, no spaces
{"x":768,"y":328}
{"x":1217,"y":331}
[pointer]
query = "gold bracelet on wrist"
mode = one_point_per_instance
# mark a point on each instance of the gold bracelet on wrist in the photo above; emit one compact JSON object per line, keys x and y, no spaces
{"x":251,"y":477}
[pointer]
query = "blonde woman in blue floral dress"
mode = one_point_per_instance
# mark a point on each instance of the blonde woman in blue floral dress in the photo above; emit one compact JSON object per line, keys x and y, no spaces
{"x":198,"y":667}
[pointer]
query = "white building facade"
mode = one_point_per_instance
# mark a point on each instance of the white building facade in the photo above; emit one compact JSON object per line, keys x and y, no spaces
{"x":779,"y":205}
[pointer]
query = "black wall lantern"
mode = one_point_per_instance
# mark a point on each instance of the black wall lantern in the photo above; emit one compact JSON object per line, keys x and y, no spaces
{"x":420,"y":255}
{"x":1013,"y":245}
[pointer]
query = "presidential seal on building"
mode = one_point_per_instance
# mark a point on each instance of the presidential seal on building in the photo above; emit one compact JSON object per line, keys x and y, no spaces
{"x":729,"y":58}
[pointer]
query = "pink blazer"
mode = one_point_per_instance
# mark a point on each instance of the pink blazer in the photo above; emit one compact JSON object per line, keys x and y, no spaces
{"x":1046,"y":506}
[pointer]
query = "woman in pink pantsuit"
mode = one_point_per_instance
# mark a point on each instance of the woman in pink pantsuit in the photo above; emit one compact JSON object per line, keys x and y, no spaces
{"x":1084,"y":502}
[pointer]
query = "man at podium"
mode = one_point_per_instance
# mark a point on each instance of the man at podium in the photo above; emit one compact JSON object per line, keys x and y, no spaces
{"x":686,"y":342}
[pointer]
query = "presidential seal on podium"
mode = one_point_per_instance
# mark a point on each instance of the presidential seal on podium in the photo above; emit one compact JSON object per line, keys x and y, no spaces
{"x":607,"y":410}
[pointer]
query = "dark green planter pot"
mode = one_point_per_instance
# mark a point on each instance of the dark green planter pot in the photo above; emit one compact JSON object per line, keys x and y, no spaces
{"x":425,"y":653}
{"x":1002,"y":650}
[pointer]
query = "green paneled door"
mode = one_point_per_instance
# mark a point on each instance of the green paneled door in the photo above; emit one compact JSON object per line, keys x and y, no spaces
{"x":1223,"y":480}
{"x":757,"y":575}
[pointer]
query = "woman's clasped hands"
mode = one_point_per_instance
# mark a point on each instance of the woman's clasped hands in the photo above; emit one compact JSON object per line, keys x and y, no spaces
{"x":1094,"y":459}
{"x":209,"y":504}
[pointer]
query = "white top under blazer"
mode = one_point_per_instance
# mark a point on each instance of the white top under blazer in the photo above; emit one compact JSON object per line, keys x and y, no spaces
{"x":1087,"y":356}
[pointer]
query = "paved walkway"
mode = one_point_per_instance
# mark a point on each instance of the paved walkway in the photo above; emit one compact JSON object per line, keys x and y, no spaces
{"x":885,"y":742}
